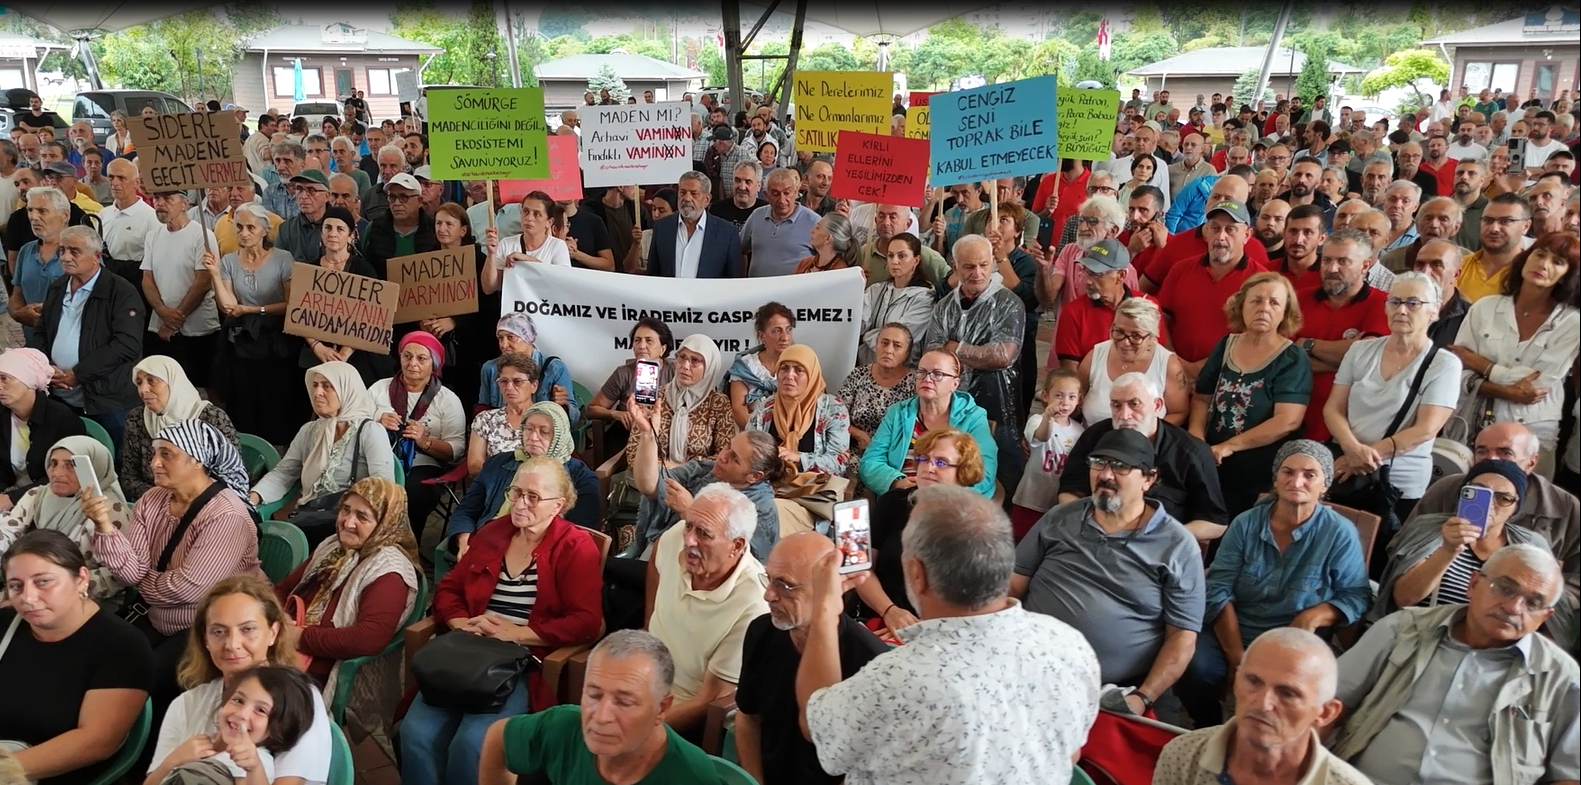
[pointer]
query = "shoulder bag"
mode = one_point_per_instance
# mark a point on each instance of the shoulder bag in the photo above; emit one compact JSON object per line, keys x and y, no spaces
{"x":133,"y":607}
{"x":470,"y":673}
{"x":1372,"y":492}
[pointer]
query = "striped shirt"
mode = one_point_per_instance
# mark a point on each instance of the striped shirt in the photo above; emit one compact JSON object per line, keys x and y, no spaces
{"x":222,"y":541}
{"x":1453,"y":586}
{"x":515,"y":595}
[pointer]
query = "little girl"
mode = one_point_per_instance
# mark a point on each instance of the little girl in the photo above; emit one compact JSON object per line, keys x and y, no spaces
{"x":1050,"y":434}
{"x":268,"y":712}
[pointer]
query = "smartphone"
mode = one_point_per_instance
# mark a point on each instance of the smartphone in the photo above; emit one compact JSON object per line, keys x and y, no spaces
{"x":1517,"y":148}
{"x":853,"y":535}
{"x":86,"y":476}
{"x":1476,"y":505}
{"x":646,"y":390}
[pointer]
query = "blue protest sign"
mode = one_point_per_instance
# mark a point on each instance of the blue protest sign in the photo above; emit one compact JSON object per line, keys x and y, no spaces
{"x":998,"y":130}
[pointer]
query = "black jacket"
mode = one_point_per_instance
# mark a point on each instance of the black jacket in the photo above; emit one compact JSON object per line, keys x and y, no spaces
{"x":380,"y":246}
{"x":50,"y":422}
{"x":113,"y":321}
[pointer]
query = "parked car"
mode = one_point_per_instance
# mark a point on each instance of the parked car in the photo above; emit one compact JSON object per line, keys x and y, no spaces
{"x":316,"y":111}
{"x":95,"y":106}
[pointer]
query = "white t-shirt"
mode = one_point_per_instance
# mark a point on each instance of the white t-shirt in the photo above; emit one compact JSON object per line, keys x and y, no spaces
{"x":1537,"y":156}
{"x":1373,"y":403}
{"x":1469,"y":152}
{"x":446,"y":418}
{"x":8,"y":197}
{"x":175,"y":258}
{"x":1039,"y":488}
{"x":197,"y":711}
{"x":553,"y":251}
{"x":126,"y":230}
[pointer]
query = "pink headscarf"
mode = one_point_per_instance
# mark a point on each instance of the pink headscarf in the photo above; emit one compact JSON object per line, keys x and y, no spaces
{"x":436,"y":350}
{"x":28,"y":366}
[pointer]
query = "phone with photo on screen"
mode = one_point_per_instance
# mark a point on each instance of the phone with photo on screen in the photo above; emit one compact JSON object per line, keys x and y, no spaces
{"x":1476,"y":506}
{"x":853,"y":535}
{"x":646,"y":389}
{"x":86,"y":476}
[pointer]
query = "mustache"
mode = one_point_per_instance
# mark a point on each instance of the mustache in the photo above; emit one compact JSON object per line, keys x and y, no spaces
{"x":695,"y":553}
{"x":1108,"y":485}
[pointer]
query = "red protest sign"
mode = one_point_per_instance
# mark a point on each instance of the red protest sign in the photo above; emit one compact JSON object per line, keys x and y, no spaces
{"x":919,"y":98}
{"x":880,"y":169}
{"x":565,"y":175}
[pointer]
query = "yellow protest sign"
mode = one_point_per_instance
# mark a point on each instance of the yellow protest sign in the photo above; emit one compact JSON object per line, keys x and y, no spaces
{"x":828,"y":102}
{"x":918,"y":120}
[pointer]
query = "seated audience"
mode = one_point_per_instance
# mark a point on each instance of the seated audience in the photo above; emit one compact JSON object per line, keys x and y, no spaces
{"x":500,"y":430}
{"x":870,"y":390}
{"x":692,"y":419}
{"x":168,"y":399}
{"x":754,"y":373}
{"x":67,"y":706}
{"x":56,"y":505}
{"x":978,"y":666}
{"x":1290,"y":561}
{"x":905,"y":299}
{"x":939,"y":403}
{"x":651,"y":339}
{"x":37,"y":421}
{"x":1133,"y":345}
{"x":517,"y":333}
{"x":530,"y":577}
{"x":811,"y":426}
{"x":424,"y":420}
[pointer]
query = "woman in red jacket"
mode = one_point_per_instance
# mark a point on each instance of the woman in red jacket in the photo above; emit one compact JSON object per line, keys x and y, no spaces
{"x":530,"y":577}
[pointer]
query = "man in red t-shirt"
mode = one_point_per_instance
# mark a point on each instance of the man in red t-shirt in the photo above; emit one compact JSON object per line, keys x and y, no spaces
{"x":1085,"y":321}
{"x":1154,"y":266}
{"x":1194,"y":293}
{"x":1439,"y":164}
{"x":1336,"y":314}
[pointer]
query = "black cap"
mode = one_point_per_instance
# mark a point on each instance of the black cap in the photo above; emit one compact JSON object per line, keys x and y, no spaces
{"x":1127,"y":446}
{"x":723,"y":134}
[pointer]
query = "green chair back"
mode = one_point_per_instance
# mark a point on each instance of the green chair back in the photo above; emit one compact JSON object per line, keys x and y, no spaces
{"x":583,"y":398}
{"x":131,"y":749}
{"x":347,"y":669}
{"x":258,"y":454}
{"x":99,"y":435}
{"x":400,"y":473}
{"x":444,"y":559}
{"x":1079,"y":777}
{"x":282,"y":547}
{"x":341,"y":769}
{"x":268,"y":509}
{"x":727,"y":748}
{"x":731,"y":774}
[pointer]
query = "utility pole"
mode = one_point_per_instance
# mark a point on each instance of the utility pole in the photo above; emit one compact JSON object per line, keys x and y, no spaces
{"x":510,"y":45}
{"x":1273,"y":46}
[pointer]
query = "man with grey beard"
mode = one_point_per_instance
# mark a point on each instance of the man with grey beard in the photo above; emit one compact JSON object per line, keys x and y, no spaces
{"x":768,"y":737}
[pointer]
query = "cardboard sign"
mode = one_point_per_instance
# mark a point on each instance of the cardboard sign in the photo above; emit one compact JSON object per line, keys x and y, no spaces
{"x":183,"y":151}
{"x":636,"y":144}
{"x":1086,"y":123}
{"x":487,"y":134}
{"x":880,"y":169}
{"x":341,"y":308}
{"x":993,"y":131}
{"x":919,"y":98}
{"x":440,"y":283}
{"x":828,"y":102}
{"x":919,"y":117}
{"x":564,"y":182}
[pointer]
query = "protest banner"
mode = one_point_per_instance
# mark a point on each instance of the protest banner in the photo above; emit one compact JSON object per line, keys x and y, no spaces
{"x":439,"y":283}
{"x":182,"y":151}
{"x":564,"y":183}
{"x":1086,"y":123}
{"x":993,"y":131}
{"x":341,"y":308}
{"x":585,"y":316}
{"x":880,"y":169}
{"x":636,"y":144}
{"x":828,"y":102}
{"x":487,"y":134}
{"x":918,"y":115}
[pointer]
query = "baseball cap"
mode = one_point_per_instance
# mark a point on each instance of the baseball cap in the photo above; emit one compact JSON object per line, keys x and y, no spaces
{"x":723,"y":134}
{"x":1106,"y":256}
{"x":1236,"y":210}
{"x":403,"y":180}
{"x":1339,"y":146}
{"x":1127,"y":446}
{"x":312,"y":176}
{"x":60,"y":168}
{"x":422,"y":173}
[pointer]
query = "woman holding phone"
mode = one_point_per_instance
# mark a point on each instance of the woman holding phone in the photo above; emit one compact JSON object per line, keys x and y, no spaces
{"x":55,"y":505}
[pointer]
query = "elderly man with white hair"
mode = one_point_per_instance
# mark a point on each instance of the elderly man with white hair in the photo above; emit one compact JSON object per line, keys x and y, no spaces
{"x":1438,"y":218}
{"x":704,"y":589}
{"x":778,"y":235}
{"x":1284,"y":696}
{"x":1400,"y":201}
{"x":1467,"y":694}
{"x":1061,"y":279}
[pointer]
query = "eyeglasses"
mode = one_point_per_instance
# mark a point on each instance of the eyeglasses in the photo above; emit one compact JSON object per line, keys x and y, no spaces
{"x":781,"y":587}
{"x":1410,"y":303}
{"x":1088,"y":220}
{"x":1119,"y":469}
{"x":1118,"y":336}
{"x":1509,"y":590}
{"x":511,"y":381}
{"x":938,"y":463}
{"x":934,"y":376}
{"x":690,"y":360}
{"x":1505,"y":500}
{"x":1488,"y":220}
{"x":400,"y":197}
{"x":1102,"y":189}
{"x":516,"y":496}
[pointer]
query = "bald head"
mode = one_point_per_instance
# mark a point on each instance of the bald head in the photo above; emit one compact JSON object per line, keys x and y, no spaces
{"x":1508,"y":441}
{"x":121,"y":167}
{"x":1299,"y":653}
{"x":1229,"y":188}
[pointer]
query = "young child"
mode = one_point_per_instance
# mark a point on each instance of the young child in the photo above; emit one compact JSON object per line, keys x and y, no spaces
{"x":1050,"y":434}
{"x":266,"y":714}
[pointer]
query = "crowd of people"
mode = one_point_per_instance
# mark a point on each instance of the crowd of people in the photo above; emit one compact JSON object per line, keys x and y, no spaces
{"x":1285,"y":347}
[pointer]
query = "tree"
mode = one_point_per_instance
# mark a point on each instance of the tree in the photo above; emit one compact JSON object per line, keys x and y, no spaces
{"x":1404,"y":69}
{"x":709,"y":62}
{"x":1089,"y":67}
{"x":473,"y":50}
{"x":1133,"y":49}
{"x":562,"y":46}
{"x":164,"y":55}
{"x":607,"y":79}
{"x":1314,"y":78}
{"x":940,"y":59}
{"x":831,"y":56}
{"x":1081,"y":28}
{"x":1246,"y":87}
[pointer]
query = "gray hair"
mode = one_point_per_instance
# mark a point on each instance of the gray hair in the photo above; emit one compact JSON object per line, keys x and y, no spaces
{"x":1434,"y":293}
{"x":290,"y":148}
{"x":57,"y":200}
{"x":1141,"y":310}
{"x":1308,"y":644}
{"x":1405,"y":185}
{"x":87,"y":235}
{"x":1107,"y":207}
{"x":741,"y":516}
{"x":392,"y":150}
{"x":703,"y":183}
{"x":839,"y":229}
{"x":1099,"y":177}
{"x":1534,"y":558}
{"x":622,"y":644}
{"x":314,"y":138}
{"x":1137,"y":379}
{"x":260,"y":214}
{"x":339,"y":176}
{"x":1500,"y":113}
{"x":339,"y":142}
{"x":964,"y":542}
{"x":757,"y":169}
{"x":971,"y":241}
{"x":1453,"y":207}
{"x":782,"y":175}
{"x":1380,"y":162}
{"x":9,"y":150}
{"x":1356,"y":236}
{"x":1337,"y":171}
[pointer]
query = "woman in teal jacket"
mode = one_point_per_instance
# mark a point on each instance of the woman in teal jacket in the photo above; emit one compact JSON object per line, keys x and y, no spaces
{"x":938,"y":404}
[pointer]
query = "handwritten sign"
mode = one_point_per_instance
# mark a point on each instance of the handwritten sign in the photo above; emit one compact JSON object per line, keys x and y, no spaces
{"x":636,"y":144}
{"x":487,"y":134}
{"x":919,"y":117}
{"x":441,"y":283}
{"x":880,"y":169}
{"x":564,"y":182}
{"x":1086,"y":123}
{"x":828,"y":102}
{"x":999,"y":130}
{"x":342,"y":308}
{"x":181,"y":151}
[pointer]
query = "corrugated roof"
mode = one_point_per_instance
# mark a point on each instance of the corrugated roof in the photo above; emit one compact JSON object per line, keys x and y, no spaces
{"x":107,"y":16}
{"x":1233,"y":61}
{"x":310,"y":38}
{"x":1501,"y":34}
{"x":628,"y":66}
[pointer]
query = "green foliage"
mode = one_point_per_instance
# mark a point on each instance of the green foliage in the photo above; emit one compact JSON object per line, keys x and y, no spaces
{"x":1055,"y":56}
{"x":1081,"y":28}
{"x":562,"y":46}
{"x":940,"y":59}
{"x":709,"y":62}
{"x":1403,"y":69}
{"x":828,"y":57}
{"x":628,"y":43}
{"x":558,"y":20}
{"x":1134,"y":49}
{"x":1090,"y":67}
{"x":474,"y":52}
{"x":163,"y":55}
{"x":1314,"y":78}
{"x":139,"y":59}
{"x":1246,"y":87}
{"x":607,"y":79}
{"x":761,"y":74}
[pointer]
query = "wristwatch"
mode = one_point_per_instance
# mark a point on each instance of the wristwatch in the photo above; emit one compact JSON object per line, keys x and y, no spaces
{"x":1306,"y":345}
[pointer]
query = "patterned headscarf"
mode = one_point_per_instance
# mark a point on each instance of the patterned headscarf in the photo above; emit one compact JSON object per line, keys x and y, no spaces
{"x":209,"y":447}
{"x":519,"y":325}
{"x":394,"y":530}
{"x":561,"y":444}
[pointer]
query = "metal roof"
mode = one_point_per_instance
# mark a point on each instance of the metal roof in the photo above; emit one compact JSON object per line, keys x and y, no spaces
{"x":73,"y":15}
{"x":1506,"y":33}
{"x":310,"y":38}
{"x":1233,"y":61}
{"x":15,"y":42}
{"x":629,"y":66}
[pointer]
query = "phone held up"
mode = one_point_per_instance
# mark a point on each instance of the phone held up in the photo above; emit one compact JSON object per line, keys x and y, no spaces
{"x":1476,"y":506}
{"x":86,"y":476}
{"x":853,"y":535}
{"x":646,"y":389}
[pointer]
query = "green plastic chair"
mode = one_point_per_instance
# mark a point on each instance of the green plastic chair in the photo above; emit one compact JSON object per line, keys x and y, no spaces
{"x":728,"y":746}
{"x":258,"y":454}
{"x":131,"y":749}
{"x":731,"y":774}
{"x":268,"y":509}
{"x":579,"y":432}
{"x":444,"y":559}
{"x":347,"y":669}
{"x":342,"y":770}
{"x":1079,"y":777}
{"x":282,"y":547}
{"x":99,"y":435}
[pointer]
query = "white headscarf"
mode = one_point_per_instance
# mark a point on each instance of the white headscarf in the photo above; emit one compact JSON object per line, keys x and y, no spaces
{"x":356,"y":407}
{"x":64,"y":513}
{"x":182,"y":405}
{"x":682,"y":400}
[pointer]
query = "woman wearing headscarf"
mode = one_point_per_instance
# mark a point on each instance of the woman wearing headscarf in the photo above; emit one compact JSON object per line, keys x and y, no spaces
{"x":692,"y":418}
{"x":55,"y":505}
{"x":37,"y":421}
{"x":352,"y":596}
{"x":547,"y":432}
{"x":338,"y":230}
{"x":812,"y":427}
{"x":191,"y":530}
{"x":651,"y":339}
{"x":168,"y":398}
{"x":424,"y":419}
{"x":517,"y":333}
{"x":334,"y":450}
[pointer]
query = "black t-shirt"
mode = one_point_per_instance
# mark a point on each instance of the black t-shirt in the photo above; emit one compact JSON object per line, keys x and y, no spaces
{"x":19,"y":230}
{"x":768,"y":692}
{"x":728,"y":210}
{"x":1188,"y":478}
{"x":29,"y":120}
{"x":43,"y":684}
{"x":591,"y":235}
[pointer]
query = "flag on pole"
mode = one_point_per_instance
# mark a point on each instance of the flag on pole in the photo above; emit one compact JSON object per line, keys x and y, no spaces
{"x":1103,"y":39}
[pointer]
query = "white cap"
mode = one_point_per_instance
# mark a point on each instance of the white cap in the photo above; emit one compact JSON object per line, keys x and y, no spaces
{"x":403,"y":180}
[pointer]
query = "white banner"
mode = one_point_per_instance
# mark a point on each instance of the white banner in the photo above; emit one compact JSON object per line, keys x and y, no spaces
{"x":584,"y":317}
{"x":636,"y":144}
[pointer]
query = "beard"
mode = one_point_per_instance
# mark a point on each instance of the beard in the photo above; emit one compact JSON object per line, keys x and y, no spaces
{"x":1335,"y":287}
{"x":783,"y":623}
{"x":1086,"y":243}
{"x":690,"y":214}
{"x":1107,"y":499}
{"x":1300,"y":190}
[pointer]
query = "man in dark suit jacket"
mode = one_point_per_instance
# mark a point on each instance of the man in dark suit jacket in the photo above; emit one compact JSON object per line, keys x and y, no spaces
{"x":720,"y":252}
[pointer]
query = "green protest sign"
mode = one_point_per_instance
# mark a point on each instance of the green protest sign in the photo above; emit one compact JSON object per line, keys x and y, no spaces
{"x":1086,"y":122}
{"x":487,"y":134}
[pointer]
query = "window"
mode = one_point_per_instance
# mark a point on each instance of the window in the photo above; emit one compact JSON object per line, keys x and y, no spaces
{"x":1547,"y":74}
{"x":285,"y":82}
{"x":1492,"y":76}
{"x":381,"y":81}
{"x":11,"y":78}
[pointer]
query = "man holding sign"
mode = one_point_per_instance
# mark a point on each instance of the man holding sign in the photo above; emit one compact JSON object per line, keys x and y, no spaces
{"x":183,"y":322}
